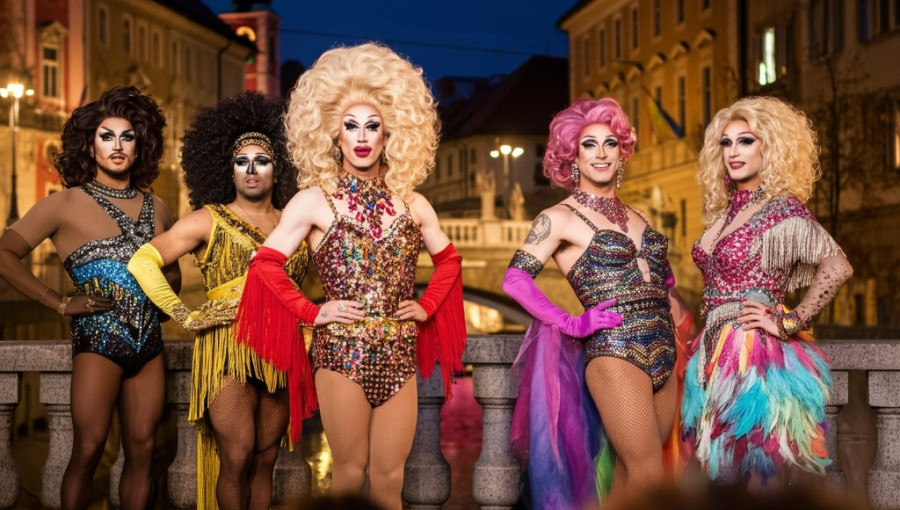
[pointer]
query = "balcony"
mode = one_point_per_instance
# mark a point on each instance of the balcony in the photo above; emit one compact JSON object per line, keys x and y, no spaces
{"x":863,"y":437}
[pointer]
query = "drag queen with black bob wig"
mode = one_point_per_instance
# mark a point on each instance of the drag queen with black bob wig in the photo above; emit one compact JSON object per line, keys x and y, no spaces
{"x":239,"y":177}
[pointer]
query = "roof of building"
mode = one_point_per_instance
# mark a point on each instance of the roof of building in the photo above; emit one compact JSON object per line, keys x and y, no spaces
{"x":571,"y":12}
{"x":198,"y":12}
{"x":523,"y":102}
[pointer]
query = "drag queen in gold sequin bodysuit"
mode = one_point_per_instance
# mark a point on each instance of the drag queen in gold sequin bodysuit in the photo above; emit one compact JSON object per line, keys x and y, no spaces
{"x":362,"y":128}
{"x":239,"y":177}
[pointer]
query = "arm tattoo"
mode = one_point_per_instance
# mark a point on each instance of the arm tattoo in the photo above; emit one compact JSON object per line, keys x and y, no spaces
{"x":540,"y":230}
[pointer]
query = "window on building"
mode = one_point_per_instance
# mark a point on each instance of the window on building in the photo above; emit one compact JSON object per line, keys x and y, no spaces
{"x":679,"y":12}
{"x":826,"y":28}
{"x":102,"y":25}
{"x":657,"y":17}
{"x":617,"y":42}
{"x":657,"y":93}
{"x":704,"y":4}
{"x":449,"y":166}
{"x":767,"y":65}
{"x":50,"y":72}
{"x":706,"y":94}
{"x":126,"y":35}
{"x":156,"y":49}
{"x":174,"y":59}
{"x":142,"y":42}
{"x":682,"y":98}
{"x":473,"y":156}
{"x":601,"y":48}
{"x":189,"y":63}
{"x":635,"y":23}
{"x":586,"y":57}
{"x":878,"y":17}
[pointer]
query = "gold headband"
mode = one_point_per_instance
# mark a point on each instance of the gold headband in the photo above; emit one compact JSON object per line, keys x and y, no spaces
{"x":251,"y":138}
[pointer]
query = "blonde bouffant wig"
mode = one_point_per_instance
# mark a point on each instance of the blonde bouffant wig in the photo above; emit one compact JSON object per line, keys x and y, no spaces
{"x":788,"y":148}
{"x":366,"y":74}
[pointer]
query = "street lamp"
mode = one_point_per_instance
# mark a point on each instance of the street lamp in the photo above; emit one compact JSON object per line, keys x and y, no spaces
{"x":16,"y":91}
{"x":506,"y":151}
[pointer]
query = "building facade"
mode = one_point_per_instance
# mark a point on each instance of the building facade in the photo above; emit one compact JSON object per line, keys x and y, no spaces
{"x":68,"y":52}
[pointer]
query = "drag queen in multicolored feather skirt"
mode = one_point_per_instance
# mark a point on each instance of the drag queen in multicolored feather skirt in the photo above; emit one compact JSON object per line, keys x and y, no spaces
{"x":756,"y":385}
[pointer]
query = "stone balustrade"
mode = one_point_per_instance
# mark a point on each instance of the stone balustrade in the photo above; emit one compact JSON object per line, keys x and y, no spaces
{"x":864,"y":436}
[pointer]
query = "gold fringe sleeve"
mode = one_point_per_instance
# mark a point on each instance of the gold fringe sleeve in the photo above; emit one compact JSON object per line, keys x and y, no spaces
{"x":798,"y":243}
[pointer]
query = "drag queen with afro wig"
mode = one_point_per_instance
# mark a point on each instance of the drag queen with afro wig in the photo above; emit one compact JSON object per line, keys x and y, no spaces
{"x":363,"y":130}
{"x":239,"y":177}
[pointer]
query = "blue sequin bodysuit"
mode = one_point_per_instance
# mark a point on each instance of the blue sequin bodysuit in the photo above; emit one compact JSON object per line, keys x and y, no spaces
{"x":609,"y":269}
{"x":129,"y":333}
{"x":377,"y":352}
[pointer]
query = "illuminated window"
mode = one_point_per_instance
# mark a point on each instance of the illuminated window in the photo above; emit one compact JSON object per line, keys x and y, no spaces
{"x":767,"y":67}
{"x":246,"y":32}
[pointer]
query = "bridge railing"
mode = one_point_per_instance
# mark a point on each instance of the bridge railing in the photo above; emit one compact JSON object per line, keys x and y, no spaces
{"x":863,"y":436}
{"x":477,"y":233}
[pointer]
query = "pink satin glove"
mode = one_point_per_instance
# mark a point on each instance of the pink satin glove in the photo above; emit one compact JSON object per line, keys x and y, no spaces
{"x":521,"y":287}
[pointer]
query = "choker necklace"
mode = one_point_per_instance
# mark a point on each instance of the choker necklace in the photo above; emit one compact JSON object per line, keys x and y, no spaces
{"x":103,"y":189}
{"x":740,"y":201}
{"x":610,"y":207}
{"x":368,"y":199}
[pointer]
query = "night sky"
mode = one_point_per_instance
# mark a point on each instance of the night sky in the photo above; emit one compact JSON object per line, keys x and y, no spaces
{"x":473,"y":38}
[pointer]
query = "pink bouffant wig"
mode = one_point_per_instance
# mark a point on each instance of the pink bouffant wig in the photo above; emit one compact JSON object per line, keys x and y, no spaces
{"x":562,"y":148}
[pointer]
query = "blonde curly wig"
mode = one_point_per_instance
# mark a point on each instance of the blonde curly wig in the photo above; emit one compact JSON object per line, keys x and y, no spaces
{"x":788,"y":148}
{"x":372,"y":74}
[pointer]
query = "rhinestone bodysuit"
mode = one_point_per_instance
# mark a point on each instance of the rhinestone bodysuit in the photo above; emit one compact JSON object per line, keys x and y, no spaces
{"x":609,"y":269}
{"x":377,"y":352}
{"x":129,"y":333}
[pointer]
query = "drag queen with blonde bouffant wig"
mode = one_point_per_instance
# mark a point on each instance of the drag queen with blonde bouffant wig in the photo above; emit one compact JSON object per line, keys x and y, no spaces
{"x":756,"y":385}
{"x":363,"y":130}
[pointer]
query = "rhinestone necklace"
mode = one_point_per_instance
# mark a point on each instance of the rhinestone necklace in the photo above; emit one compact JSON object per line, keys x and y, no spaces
{"x":610,"y":207}
{"x":103,"y":189}
{"x":367,"y":200}
{"x":740,"y":201}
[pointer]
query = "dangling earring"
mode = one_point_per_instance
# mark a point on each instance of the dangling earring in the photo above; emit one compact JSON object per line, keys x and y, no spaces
{"x":619,"y":173}
{"x":336,"y":153}
{"x":576,"y":176}
{"x":384,"y":158}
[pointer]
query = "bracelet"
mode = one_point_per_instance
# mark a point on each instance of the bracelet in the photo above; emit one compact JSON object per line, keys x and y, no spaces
{"x":43,"y":294}
{"x":788,"y":323}
{"x":63,"y":303}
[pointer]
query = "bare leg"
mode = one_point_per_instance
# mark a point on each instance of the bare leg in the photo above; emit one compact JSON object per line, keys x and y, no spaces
{"x":345,"y":417}
{"x":392,"y":431}
{"x":624,"y":396}
{"x":95,"y":387}
{"x":140,"y":410}
{"x":272,"y":418}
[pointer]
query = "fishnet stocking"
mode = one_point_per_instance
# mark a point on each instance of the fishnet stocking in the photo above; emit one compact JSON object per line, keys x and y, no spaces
{"x":231,"y":415}
{"x":350,"y":422}
{"x":636,"y":420}
{"x":272,"y":418}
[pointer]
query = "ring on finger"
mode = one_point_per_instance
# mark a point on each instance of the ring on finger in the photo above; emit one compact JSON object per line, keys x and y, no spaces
{"x":341,"y":307}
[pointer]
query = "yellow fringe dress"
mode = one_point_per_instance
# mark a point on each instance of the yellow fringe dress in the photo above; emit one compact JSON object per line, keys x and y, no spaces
{"x":217,"y":358}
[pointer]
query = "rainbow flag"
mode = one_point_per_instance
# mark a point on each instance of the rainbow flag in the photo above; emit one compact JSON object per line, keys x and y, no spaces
{"x":663,"y":124}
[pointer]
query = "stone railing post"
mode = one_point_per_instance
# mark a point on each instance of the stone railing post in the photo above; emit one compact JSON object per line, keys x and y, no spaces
{"x":833,"y":473}
{"x":55,"y":389}
{"x":495,"y":478}
{"x":181,"y":482}
{"x":9,"y":474}
{"x":292,"y":477}
{"x":884,"y":477}
{"x":856,"y":437}
{"x":426,"y":477}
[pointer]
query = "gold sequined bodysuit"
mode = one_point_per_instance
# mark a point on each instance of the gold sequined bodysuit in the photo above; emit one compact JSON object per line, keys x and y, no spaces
{"x":377,"y":352}
{"x":216,"y":356}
